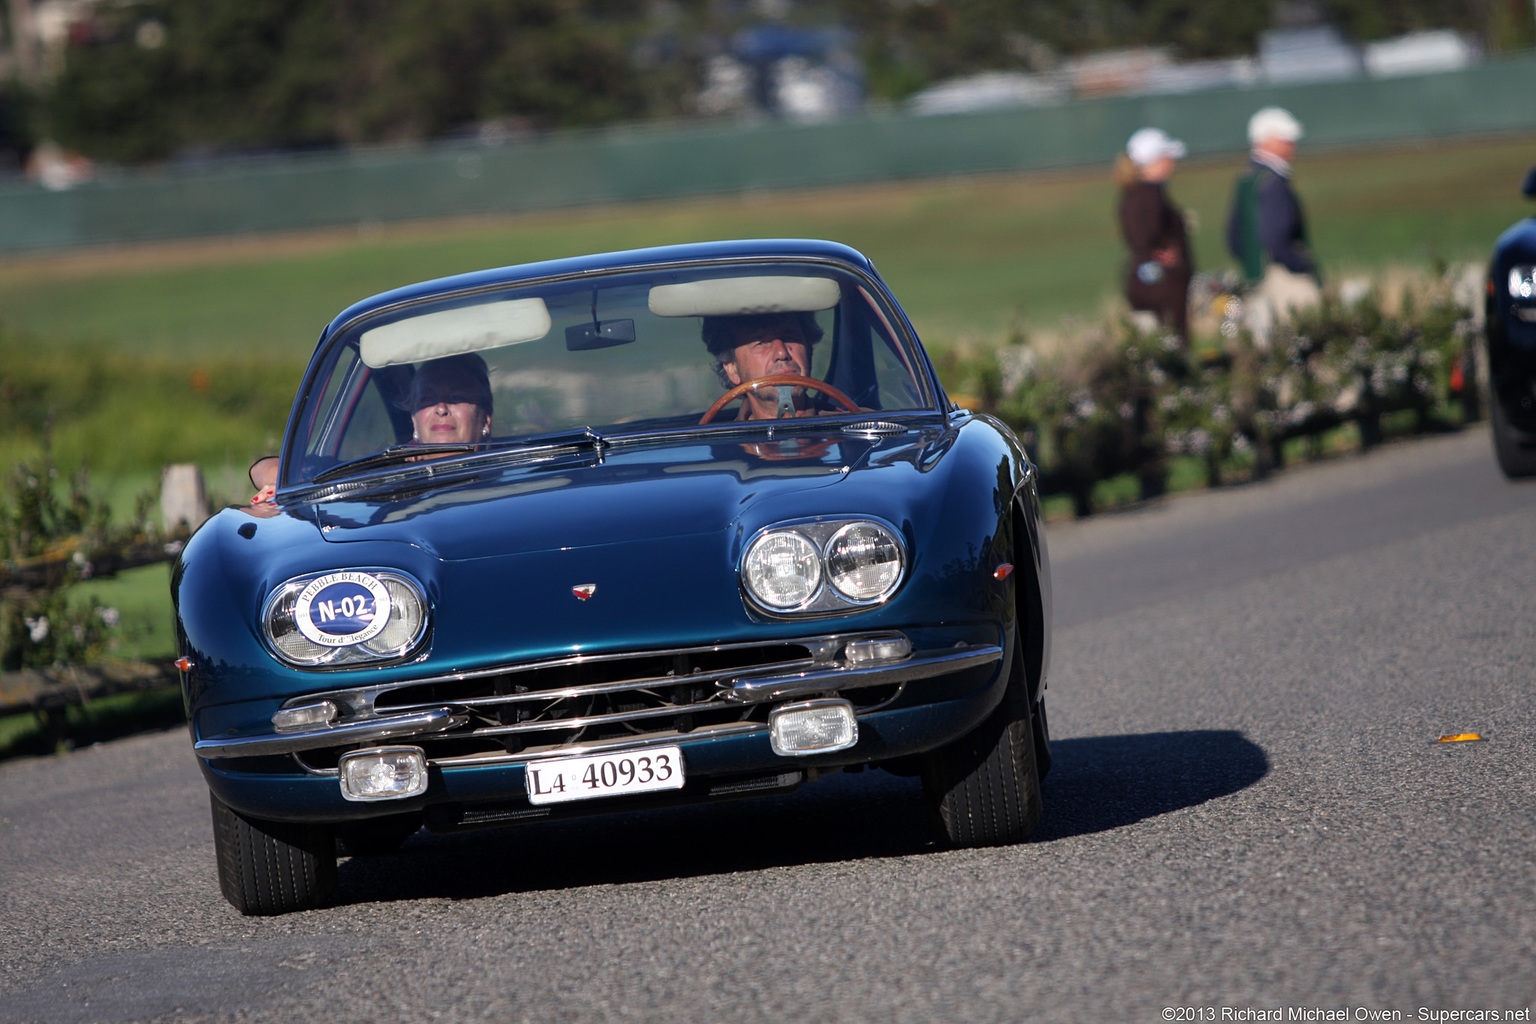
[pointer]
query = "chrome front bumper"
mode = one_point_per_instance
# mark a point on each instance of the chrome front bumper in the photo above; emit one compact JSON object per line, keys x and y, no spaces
{"x":821,"y":667}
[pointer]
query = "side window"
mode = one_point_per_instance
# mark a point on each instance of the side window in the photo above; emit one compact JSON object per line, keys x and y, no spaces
{"x":320,"y":427}
{"x":368,"y":426}
{"x":898,"y":389}
{"x":869,"y":362}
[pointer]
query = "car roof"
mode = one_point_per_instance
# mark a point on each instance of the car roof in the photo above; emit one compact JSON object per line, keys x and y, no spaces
{"x":773,"y":248}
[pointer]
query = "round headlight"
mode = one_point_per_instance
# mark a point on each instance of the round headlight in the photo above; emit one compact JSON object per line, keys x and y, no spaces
{"x":863,"y":562}
{"x":407,"y":617}
{"x":782,"y":569}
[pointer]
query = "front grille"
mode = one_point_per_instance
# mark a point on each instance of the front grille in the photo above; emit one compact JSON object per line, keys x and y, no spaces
{"x":527,"y":710}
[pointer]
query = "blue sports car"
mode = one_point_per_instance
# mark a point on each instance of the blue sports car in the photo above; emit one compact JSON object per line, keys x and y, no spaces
{"x":614,"y":532}
{"x":1511,"y":335}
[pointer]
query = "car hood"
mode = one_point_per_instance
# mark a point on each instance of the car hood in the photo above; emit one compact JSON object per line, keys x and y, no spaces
{"x":625,"y":494}
{"x":651,"y":533}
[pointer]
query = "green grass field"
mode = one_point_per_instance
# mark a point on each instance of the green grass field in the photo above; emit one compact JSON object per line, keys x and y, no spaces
{"x":970,"y":258}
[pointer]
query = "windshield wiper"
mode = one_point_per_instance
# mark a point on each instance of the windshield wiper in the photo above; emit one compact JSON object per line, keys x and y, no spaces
{"x":390,"y":456}
{"x":562,"y":439}
{"x":581,"y":436}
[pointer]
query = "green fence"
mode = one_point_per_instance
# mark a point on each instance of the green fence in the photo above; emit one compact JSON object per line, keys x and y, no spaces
{"x":635,"y":163}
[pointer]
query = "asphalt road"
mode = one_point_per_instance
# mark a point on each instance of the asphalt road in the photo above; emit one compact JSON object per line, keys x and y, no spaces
{"x":1249,"y":813}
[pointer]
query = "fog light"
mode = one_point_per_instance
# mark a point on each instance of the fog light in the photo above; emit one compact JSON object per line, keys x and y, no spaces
{"x":813,"y":727}
{"x":866,"y":652}
{"x":305,"y":716}
{"x":383,"y":773}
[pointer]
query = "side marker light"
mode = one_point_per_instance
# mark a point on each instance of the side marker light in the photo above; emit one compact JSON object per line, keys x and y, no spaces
{"x":1003,"y":571}
{"x":1461,"y":737}
{"x":869,"y":652}
{"x":306,"y":716}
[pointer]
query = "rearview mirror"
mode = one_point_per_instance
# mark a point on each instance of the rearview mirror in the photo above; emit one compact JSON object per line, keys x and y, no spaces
{"x":599,"y":334}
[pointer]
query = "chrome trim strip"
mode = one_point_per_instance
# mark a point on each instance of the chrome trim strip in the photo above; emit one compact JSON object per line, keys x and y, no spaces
{"x":436,"y":720}
{"x":821,"y":680}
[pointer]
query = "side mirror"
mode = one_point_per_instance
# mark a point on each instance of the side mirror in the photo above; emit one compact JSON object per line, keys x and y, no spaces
{"x":1529,"y":188}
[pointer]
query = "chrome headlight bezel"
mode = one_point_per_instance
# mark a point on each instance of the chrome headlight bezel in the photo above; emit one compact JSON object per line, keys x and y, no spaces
{"x":827,"y":538}
{"x":408,"y":618}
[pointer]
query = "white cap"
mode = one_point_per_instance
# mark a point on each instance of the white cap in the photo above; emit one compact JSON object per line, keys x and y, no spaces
{"x":1273,"y":123}
{"x":1152,"y":144}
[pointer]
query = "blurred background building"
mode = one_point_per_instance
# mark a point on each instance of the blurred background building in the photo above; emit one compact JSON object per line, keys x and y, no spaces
{"x":169,"y":117}
{"x":135,"y":81}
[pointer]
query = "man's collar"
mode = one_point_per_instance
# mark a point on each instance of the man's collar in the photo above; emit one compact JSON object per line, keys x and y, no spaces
{"x":1274,"y":163}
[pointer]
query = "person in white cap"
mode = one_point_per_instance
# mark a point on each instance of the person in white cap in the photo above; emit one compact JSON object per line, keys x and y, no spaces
{"x":1161,"y":263}
{"x":1266,"y":229}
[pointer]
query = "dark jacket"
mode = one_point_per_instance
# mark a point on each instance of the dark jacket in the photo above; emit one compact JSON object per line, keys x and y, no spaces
{"x":1149,"y":222}
{"x":1266,"y":224}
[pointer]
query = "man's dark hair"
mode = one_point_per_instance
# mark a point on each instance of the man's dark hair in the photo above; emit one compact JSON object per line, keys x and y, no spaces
{"x":720,"y":333}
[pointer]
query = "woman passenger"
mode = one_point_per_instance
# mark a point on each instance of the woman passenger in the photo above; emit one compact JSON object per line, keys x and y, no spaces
{"x":449,"y":402}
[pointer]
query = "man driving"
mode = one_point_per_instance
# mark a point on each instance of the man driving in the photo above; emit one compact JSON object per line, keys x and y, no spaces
{"x":754,"y":346}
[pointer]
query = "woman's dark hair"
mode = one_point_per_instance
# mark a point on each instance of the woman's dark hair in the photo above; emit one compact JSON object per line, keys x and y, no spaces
{"x":452,"y":379}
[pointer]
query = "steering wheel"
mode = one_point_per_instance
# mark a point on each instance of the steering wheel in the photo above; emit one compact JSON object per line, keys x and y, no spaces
{"x":781,"y":380}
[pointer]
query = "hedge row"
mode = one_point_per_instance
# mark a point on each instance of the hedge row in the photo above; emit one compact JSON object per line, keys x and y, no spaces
{"x":1120,"y":399}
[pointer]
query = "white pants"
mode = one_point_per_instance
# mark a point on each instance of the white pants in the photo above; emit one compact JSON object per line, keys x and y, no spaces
{"x":1279,"y":295}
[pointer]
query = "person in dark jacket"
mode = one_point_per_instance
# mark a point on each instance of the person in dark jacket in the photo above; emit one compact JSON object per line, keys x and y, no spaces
{"x":1266,"y":229}
{"x":1161,"y":263}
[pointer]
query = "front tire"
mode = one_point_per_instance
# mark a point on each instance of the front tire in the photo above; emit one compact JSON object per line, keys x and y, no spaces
{"x":272,"y":867}
{"x":1515,"y":459}
{"x":984,"y":788}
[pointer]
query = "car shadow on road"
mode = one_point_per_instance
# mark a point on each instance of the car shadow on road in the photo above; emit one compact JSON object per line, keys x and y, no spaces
{"x":843,"y":817}
{"x":1100,"y":783}
{"x":1097,"y":784}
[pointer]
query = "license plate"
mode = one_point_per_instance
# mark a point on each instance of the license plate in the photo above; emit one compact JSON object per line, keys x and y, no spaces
{"x":583,"y":778}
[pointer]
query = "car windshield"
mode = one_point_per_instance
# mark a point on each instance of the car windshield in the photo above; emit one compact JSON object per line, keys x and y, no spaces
{"x":609,"y":354}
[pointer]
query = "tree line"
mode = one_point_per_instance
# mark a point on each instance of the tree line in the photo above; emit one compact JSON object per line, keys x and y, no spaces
{"x":146,"y":80}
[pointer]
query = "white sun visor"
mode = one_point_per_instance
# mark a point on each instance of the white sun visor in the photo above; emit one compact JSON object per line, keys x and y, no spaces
{"x":738,"y":296}
{"x":449,"y":332}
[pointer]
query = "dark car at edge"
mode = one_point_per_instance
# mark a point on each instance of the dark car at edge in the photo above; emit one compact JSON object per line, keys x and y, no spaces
{"x":1511,"y":334}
